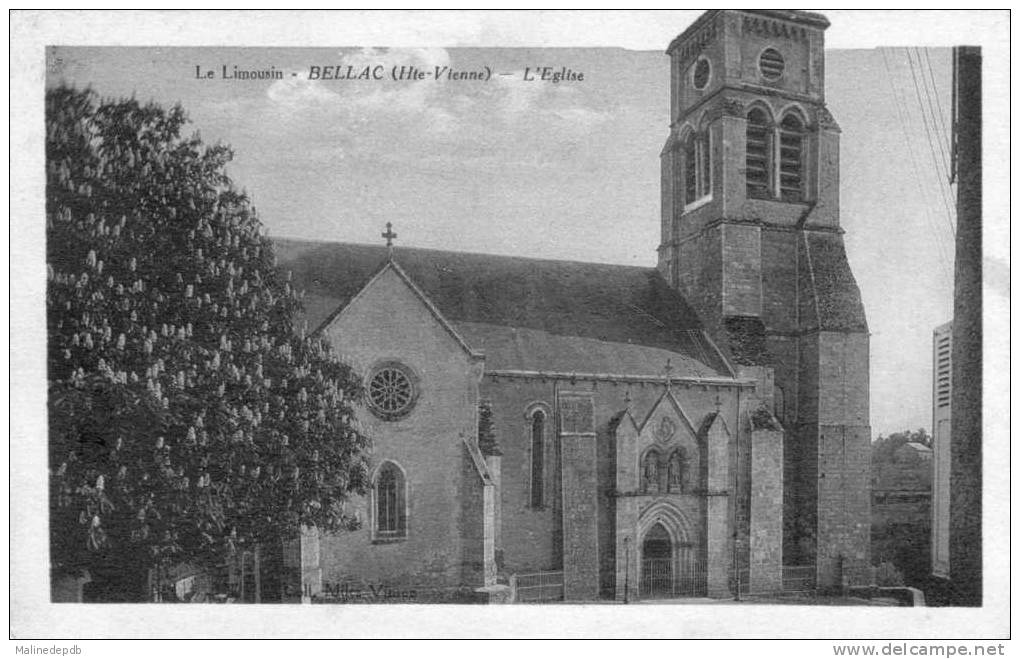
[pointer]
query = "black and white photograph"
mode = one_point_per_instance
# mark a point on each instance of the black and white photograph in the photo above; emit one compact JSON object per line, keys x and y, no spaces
{"x":483,"y":324}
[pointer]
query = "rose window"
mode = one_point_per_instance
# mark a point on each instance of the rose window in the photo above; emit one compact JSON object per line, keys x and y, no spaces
{"x":391,"y":391}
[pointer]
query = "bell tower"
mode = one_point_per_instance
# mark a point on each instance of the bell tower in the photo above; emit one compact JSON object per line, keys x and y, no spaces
{"x":751,"y":237}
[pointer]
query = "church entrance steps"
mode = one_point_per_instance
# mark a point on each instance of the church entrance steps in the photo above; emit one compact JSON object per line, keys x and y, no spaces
{"x":699,"y":601}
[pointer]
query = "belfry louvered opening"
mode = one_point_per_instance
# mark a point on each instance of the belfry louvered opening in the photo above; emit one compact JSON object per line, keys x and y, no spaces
{"x":791,"y":158}
{"x":771,"y":64}
{"x":759,"y":150}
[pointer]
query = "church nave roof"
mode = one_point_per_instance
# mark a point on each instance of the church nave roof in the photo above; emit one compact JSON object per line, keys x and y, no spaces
{"x":524,"y":314}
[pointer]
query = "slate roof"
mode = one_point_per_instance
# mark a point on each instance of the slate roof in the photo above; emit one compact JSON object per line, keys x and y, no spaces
{"x":837,"y":298}
{"x":524,"y":314}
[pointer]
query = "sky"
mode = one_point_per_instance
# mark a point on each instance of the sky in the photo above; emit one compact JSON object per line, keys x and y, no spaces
{"x":565,"y":170}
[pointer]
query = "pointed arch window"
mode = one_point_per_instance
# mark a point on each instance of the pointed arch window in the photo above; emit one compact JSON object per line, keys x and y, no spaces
{"x":791,"y":148}
{"x":538,"y":426}
{"x":759,"y":155}
{"x":390,"y":493}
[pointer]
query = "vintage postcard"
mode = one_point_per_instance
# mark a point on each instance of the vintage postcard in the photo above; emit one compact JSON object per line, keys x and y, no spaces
{"x":329,"y":321}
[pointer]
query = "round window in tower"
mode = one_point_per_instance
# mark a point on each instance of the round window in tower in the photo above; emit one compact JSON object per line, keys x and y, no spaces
{"x":702,"y":72}
{"x":392,"y":391}
{"x":771,"y":64}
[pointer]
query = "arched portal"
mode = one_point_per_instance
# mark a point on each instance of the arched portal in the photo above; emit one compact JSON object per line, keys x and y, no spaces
{"x":670,"y":563}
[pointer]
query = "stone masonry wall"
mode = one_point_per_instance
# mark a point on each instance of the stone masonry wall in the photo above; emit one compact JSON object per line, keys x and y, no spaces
{"x":844,"y":459}
{"x":700,"y":276}
{"x":606,"y":457}
{"x":530,"y":536}
{"x":766,"y":536}
{"x":391,"y":323}
{"x":779,"y":271}
{"x":844,"y":505}
{"x":471,"y":524}
{"x":742,"y":270}
{"x":579,"y":477}
{"x":580,"y":526}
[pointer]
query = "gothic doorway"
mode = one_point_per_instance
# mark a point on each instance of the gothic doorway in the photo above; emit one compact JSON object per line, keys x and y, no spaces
{"x":657,"y":563}
{"x":669,"y":568}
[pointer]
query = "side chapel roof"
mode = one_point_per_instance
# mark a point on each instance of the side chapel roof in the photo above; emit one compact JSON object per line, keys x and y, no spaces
{"x":523,"y":313}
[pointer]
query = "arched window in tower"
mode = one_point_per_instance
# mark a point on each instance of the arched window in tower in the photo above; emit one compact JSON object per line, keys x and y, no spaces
{"x":650,"y":472}
{"x":705,"y":163}
{"x":690,"y":170}
{"x":677,"y":477}
{"x":759,"y":155}
{"x":697,"y":166}
{"x":791,"y":163}
{"x":537,"y":459}
{"x":390,"y":502}
{"x":701,"y":74}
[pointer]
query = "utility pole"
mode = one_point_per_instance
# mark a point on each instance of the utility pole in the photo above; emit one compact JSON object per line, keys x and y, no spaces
{"x":965,"y":506}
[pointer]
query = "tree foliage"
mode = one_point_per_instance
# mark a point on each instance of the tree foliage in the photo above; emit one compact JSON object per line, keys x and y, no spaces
{"x":884,"y":449}
{"x":187,"y":417}
{"x":487,"y":441}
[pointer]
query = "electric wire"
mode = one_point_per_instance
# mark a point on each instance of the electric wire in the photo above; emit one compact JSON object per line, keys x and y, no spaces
{"x":931,"y":145}
{"x":944,"y":259}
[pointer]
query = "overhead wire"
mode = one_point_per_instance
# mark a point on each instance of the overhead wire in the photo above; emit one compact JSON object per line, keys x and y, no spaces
{"x":940,"y":186}
{"x":939,"y":134}
{"x":938,"y":102}
{"x":944,"y":131}
{"x":945,"y":260}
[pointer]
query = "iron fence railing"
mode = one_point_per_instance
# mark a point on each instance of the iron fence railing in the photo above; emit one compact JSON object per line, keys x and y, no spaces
{"x":537,"y":587}
{"x":664,"y":577}
{"x":798,"y":578}
{"x":659,"y":578}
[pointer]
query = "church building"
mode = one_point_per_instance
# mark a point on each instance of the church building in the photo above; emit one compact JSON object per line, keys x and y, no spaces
{"x":695,"y":429}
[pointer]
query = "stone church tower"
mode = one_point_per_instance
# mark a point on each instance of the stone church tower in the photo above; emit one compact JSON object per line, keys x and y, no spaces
{"x":751,"y":238}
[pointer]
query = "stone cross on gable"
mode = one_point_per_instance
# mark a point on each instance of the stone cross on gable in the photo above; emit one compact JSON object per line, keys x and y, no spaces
{"x":668,"y":368}
{"x":389,"y":235}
